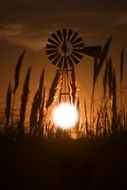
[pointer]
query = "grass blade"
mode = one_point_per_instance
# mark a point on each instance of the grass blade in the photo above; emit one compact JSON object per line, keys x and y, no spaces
{"x":8,"y":104}
{"x":24,"y":99}
{"x":17,"y":71}
{"x":53,"y":89}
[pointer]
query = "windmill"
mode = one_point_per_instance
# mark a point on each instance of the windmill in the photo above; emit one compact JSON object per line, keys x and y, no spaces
{"x":65,"y":48}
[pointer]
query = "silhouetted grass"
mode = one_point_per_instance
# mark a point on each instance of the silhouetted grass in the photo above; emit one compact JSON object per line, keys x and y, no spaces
{"x":36,"y":104}
{"x":53,"y":89}
{"x":73,"y":86}
{"x":16,"y":83}
{"x":105,"y":120}
{"x":24,"y":98}
{"x":8,"y":105}
{"x":48,"y":158}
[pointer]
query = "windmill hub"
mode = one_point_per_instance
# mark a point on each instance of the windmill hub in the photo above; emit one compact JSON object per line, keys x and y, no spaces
{"x":66,"y":48}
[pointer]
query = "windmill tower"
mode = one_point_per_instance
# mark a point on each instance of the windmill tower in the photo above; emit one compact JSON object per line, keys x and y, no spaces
{"x":65,"y":48}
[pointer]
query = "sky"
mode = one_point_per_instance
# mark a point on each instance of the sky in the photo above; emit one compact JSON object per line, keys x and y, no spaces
{"x":27,"y":24}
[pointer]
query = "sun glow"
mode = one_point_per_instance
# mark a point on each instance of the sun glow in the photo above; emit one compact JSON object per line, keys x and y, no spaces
{"x":65,"y":115}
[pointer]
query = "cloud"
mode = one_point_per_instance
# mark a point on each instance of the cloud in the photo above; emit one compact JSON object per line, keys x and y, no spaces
{"x":10,"y":30}
{"x":121,"y":20}
{"x":34,"y":34}
{"x":18,"y":34}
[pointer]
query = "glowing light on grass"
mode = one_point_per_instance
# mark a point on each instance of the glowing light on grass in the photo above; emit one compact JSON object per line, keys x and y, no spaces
{"x":65,"y":115}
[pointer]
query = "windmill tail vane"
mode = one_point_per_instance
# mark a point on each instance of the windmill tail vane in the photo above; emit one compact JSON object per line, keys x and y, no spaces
{"x":93,"y":51}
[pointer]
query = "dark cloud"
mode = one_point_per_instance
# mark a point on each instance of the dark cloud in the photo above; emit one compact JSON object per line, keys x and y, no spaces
{"x":44,"y":11}
{"x":32,"y":34}
{"x":17,"y":10}
{"x":29,"y":22}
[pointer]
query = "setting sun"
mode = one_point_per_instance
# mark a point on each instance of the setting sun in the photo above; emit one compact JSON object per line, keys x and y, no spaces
{"x":65,"y":115}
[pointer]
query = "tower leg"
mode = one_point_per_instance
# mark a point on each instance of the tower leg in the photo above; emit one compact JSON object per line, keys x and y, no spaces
{"x":64,"y":90}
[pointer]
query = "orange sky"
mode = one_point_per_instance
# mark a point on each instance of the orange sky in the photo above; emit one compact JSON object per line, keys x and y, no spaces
{"x":27,"y":24}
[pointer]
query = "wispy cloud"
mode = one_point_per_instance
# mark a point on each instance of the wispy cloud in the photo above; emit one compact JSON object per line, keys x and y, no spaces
{"x":20,"y":35}
{"x":10,"y":30}
{"x":122,"y":19}
{"x":33,"y":35}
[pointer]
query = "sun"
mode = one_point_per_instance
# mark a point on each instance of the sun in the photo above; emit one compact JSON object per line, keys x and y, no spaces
{"x":65,"y":115}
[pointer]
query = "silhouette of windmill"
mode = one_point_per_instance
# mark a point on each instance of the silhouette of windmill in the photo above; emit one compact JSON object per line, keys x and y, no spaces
{"x":65,"y":48}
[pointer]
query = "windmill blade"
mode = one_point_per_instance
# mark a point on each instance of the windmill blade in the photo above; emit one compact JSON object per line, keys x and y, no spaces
{"x":52,"y":56}
{"x":60,"y":62}
{"x":50,"y":46}
{"x":51,"y":51}
{"x":76,"y":61}
{"x":55,"y":37}
{"x":69,"y":35}
{"x":77,"y":40}
{"x":64,"y":34}
{"x":52,"y":42}
{"x":93,"y":51}
{"x":79,"y":45}
{"x":74,"y":36}
{"x":65,"y":63}
{"x":60,"y":35}
{"x":55,"y":61}
{"x":78,"y":55}
{"x":70,"y":62}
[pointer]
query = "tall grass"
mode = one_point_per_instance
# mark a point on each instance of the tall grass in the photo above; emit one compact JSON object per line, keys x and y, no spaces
{"x":73,"y":85}
{"x":17,"y":71}
{"x":86,"y":119}
{"x":114,"y":107}
{"x":110,"y":75}
{"x":8,"y":104}
{"x":36,"y":104}
{"x":24,"y":99}
{"x":53,"y":89}
{"x":41,"y":115}
{"x":98,"y":64}
{"x":34,"y":114}
{"x":104,"y":121}
{"x":105,"y":79}
{"x":121,"y":81}
{"x":16,"y":79}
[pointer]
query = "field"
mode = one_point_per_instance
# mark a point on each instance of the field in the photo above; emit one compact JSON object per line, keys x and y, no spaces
{"x":37,"y":155}
{"x":31,"y":163}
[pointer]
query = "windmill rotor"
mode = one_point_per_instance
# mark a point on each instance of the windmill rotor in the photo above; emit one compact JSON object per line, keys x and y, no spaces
{"x":65,"y":48}
{"x":62,"y":48}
